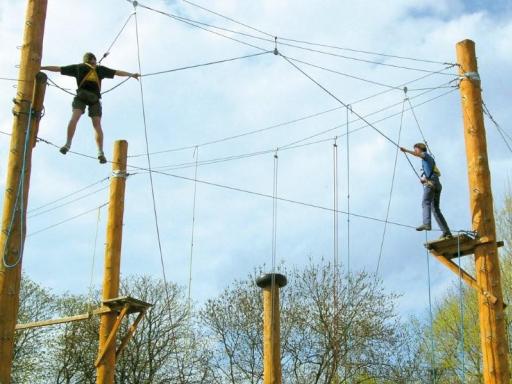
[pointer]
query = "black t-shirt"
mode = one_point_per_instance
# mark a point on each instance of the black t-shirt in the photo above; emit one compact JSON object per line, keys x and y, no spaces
{"x":80,"y":71}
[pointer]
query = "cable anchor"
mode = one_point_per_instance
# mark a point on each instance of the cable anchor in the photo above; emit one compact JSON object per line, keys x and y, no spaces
{"x":276,"y":52}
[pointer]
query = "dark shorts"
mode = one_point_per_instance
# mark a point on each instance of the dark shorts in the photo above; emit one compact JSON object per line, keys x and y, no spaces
{"x":88,"y":99}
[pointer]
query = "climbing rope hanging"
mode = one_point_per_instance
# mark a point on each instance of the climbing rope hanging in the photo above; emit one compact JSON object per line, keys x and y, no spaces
{"x":107,"y":52}
{"x":19,"y":201}
{"x":336,"y":265}
{"x":347,"y":137}
{"x":462,"y":351}
{"x":411,"y":107}
{"x":431,"y":316}
{"x":391,"y":189}
{"x":194,"y":202}
{"x":91,"y":279}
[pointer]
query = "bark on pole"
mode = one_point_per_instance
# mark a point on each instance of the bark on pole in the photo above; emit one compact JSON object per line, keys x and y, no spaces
{"x":493,"y":334}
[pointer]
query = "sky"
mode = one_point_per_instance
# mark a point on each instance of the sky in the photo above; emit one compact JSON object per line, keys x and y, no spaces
{"x":233,"y":229}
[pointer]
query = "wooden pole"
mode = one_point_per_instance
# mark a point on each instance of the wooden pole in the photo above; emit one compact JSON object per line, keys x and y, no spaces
{"x":493,"y":334}
{"x":27,"y":108}
{"x":271,"y":283}
{"x":106,"y":367}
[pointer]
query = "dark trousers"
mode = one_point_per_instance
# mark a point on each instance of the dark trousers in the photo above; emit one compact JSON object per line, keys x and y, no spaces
{"x":431,"y":202}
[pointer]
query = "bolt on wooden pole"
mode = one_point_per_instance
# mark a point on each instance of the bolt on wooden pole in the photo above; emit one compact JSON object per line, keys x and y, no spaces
{"x":271,"y":284}
{"x":493,"y":334}
{"x":27,"y":108}
{"x":111,"y":277}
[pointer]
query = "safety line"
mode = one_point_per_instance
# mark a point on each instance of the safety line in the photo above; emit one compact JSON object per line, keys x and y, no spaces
{"x":66,"y":220}
{"x":310,"y":43}
{"x":206,"y":64}
{"x":107,"y":52}
{"x":192,"y":236}
{"x":91,"y":280}
{"x":203,"y":25}
{"x":67,"y":203}
{"x":148,"y":157}
{"x":391,"y":190}
{"x":431,"y":315}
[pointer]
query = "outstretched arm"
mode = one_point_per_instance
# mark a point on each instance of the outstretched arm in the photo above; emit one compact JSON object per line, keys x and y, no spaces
{"x":51,"y":68}
{"x":405,"y":150}
{"x":127,"y":74}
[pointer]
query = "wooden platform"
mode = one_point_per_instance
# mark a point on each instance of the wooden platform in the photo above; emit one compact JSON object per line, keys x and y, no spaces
{"x":450,"y":248}
{"x":134,"y":305}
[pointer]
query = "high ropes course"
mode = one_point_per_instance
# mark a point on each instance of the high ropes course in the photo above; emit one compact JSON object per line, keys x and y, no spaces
{"x":450,"y":77}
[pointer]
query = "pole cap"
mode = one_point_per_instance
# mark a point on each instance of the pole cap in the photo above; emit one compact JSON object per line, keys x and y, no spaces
{"x":265,"y":280}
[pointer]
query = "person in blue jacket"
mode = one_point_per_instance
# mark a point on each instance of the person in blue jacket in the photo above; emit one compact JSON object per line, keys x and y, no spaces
{"x":431,"y":190}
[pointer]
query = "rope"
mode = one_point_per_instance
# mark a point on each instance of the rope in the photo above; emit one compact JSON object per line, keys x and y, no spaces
{"x":346,"y":106}
{"x":206,"y":64}
{"x":300,"y":119}
{"x":461,"y":304}
{"x":67,"y":203}
{"x":391,"y":189}
{"x":310,"y":43}
{"x":504,"y":134}
{"x":242,"y":190}
{"x":153,"y":199}
{"x":432,"y":342}
{"x":107,"y":52}
{"x":202,"y":25}
{"x":91,"y":280}
{"x":19,"y":202}
{"x":196,"y":155}
{"x":418,"y":123}
{"x":274,"y":244}
{"x":31,"y":211}
{"x":349,"y":108}
{"x":66,"y":220}
{"x":336,"y":266}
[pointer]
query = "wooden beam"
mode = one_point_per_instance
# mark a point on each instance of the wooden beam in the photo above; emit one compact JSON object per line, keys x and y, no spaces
{"x":110,"y":342}
{"x":470,"y":280}
{"x":130,"y":333}
{"x":62,"y":320}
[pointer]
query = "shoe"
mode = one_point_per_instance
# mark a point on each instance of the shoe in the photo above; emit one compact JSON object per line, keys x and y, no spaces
{"x":424,"y":227}
{"x":102,"y":158}
{"x":446,"y":236}
{"x":64,"y":149}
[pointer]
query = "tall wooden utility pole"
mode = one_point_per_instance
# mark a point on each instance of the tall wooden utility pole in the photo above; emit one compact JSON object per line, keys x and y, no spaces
{"x":27,"y":108}
{"x":106,"y":365}
{"x":493,"y":334}
{"x":271,"y":284}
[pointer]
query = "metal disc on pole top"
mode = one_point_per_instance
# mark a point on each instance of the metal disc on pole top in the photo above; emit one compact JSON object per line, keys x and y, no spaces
{"x":267,"y":279}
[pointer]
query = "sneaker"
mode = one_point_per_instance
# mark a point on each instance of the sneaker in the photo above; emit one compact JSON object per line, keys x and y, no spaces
{"x":64,"y":149}
{"x":102,"y":158}
{"x":424,"y":227}
{"x":446,"y":236}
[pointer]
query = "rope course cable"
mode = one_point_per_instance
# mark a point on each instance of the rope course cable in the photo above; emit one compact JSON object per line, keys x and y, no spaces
{"x":107,"y":52}
{"x":417,"y":122}
{"x":310,"y":43}
{"x":66,"y":220}
{"x":461,"y":306}
{"x":391,"y":190}
{"x":206,"y":64}
{"x":19,"y":200}
{"x":504,"y":134}
{"x":66,"y":196}
{"x":67,"y":203}
{"x":303,"y":118}
{"x":431,"y":317}
{"x":347,"y":141}
{"x":148,"y":157}
{"x":192,"y":235}
{"x":91,"y":279}
{"x":203,"y":25}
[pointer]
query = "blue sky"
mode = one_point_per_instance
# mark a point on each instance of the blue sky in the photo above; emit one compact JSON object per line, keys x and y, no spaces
{"x":233,"y":231}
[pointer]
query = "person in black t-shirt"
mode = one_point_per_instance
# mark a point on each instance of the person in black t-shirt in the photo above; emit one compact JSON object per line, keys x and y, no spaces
{"x":88,"y":79}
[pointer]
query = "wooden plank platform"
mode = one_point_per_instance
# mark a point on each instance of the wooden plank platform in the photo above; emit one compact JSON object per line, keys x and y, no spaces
{"x":134,"y":305}
{"x":449,"y":248}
